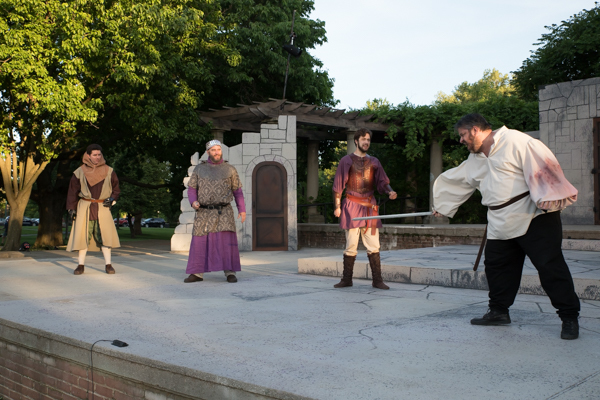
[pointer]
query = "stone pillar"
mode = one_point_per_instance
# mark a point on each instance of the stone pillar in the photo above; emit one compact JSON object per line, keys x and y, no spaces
{"x":351,"y":146}
{"x":312,"y":181}
{"x":218,"y":134}
{"x":435,"y":169}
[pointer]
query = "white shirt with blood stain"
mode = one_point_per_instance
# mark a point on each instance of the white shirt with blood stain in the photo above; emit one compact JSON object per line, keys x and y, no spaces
{"x":517,"y":163}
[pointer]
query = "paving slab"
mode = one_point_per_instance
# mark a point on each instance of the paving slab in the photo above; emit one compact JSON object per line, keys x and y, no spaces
{"x":295,"y":333}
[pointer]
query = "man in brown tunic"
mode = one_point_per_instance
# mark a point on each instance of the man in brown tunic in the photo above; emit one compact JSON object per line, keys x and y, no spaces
{"x":360,"y":175}
{"x":93,"y":189}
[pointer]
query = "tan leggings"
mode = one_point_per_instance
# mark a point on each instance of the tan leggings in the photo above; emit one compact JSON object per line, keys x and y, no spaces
{"x":371,"y":242}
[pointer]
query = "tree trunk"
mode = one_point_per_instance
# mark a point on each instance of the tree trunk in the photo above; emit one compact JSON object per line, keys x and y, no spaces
{"x":131,"y":227}
{"x":18,"y":178}
{"x":51,"y":199}
{"x":15,"y":223}
{"x":137,"y":224}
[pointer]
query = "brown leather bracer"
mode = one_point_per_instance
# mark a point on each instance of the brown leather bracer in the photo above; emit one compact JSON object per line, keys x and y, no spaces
{"x":361,"y":177}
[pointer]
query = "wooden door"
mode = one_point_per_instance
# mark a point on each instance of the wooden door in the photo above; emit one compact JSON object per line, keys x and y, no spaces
{"x":596,"y":171}
{"x":269,"y":207}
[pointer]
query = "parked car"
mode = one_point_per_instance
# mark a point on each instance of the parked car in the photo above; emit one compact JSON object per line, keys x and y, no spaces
{"x":155,"y":223}
{"x":121,"y":221}
{"x":29,"y":222}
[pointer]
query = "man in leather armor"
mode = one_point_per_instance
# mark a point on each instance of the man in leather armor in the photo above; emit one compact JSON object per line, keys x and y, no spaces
{"x":360,"y":174}
{"x":212,"y":187}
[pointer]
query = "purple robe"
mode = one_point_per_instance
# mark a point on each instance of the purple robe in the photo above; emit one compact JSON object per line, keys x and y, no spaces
{"x":217,"y":251}
{"x":351,"y":209}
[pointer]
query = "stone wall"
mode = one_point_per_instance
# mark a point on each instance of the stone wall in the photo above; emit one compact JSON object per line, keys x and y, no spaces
{"x":274,"y":142}
{"x":567,"y":110}
{"x":393,"y":237}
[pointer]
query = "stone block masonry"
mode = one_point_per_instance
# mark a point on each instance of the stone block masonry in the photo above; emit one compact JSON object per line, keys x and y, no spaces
{"x":567,"y":110}
{"x":393,"y":237}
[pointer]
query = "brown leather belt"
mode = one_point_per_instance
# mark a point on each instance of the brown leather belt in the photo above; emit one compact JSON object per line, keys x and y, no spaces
{"x":493,"y":208}
{"x":93,"y":200}
{"x":373,"y":210}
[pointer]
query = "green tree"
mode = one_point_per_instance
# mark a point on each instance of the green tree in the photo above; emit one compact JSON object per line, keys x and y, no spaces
{"x":569,"y":51}
{"x":145,"y":190}
{"x":413,"y":128}
{"x":493,"y":84}
{"x":71,"y":71}
{"x":259,"y":29}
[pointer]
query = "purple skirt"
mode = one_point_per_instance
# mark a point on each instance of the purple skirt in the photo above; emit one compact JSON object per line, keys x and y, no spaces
{"x":214,"y":252}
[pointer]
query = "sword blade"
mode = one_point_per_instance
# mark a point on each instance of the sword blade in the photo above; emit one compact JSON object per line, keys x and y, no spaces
{"x":408,"y":215}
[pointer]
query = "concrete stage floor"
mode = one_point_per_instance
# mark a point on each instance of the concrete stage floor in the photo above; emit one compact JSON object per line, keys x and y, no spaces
{"x":296,"y":334}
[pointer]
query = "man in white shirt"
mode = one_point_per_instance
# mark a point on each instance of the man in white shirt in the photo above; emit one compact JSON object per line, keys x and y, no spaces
{"x":524,"y":189}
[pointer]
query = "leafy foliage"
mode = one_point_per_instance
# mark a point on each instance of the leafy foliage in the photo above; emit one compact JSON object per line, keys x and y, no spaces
{"x":257,"y":30}
{"x":569,"y":51}
{"x":493,"y":84}
{"x":413,"y":128}
{"x":143,"y":201}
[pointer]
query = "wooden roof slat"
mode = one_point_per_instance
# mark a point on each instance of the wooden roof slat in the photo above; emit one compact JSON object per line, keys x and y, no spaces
{"x":336,"y":114}
{"x":249,"y":117}
{"x":363,"y":118}
{"x":257,"y":112}
{"x":350,"y":115}
{"x":268,"y":112}
{"x":320,"y":111}
{"x":292,"y":106}
{"x":306,"y":109}
{"x":275,"y":103}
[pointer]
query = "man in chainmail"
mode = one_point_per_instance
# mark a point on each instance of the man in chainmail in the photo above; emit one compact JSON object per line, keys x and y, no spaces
{"x":360,"y":174}
{"x":214,"y":184}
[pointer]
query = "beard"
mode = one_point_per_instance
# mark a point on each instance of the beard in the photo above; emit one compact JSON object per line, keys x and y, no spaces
{"x":216,"y":158}
{"x":363,"y":148}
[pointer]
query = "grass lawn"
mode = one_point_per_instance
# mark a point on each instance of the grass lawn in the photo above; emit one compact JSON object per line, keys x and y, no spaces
{"x":147,"y":233}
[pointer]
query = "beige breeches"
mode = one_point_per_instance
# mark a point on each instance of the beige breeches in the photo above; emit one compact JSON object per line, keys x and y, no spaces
{"x":371,"y":242}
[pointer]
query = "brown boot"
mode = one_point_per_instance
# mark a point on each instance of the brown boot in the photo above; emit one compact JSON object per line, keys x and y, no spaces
{"x":347,"y":274}
{"x":375,"y":263}
{"x":109,"y":269}
{"x":78,"y":270}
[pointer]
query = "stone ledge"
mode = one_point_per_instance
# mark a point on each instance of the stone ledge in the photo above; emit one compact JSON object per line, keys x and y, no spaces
{"x":11,"y":254}
{"x":157,"y":378}
{"x":586,"y":289}
{"x":584,"y":232}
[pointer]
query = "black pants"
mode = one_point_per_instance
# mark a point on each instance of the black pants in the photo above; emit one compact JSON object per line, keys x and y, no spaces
{"x":542,"y":244}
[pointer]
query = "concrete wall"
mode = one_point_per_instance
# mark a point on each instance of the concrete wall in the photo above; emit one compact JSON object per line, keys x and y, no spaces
{"x":567,"y":110}
{"x":274,"y":142}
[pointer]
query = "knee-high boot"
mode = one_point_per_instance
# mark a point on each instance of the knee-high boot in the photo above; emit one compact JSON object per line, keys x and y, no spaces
{"x":347,"y":274}
{"x":375,"y":263}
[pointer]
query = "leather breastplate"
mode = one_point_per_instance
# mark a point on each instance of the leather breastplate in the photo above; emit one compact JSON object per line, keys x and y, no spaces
{"x":361,"y":176}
